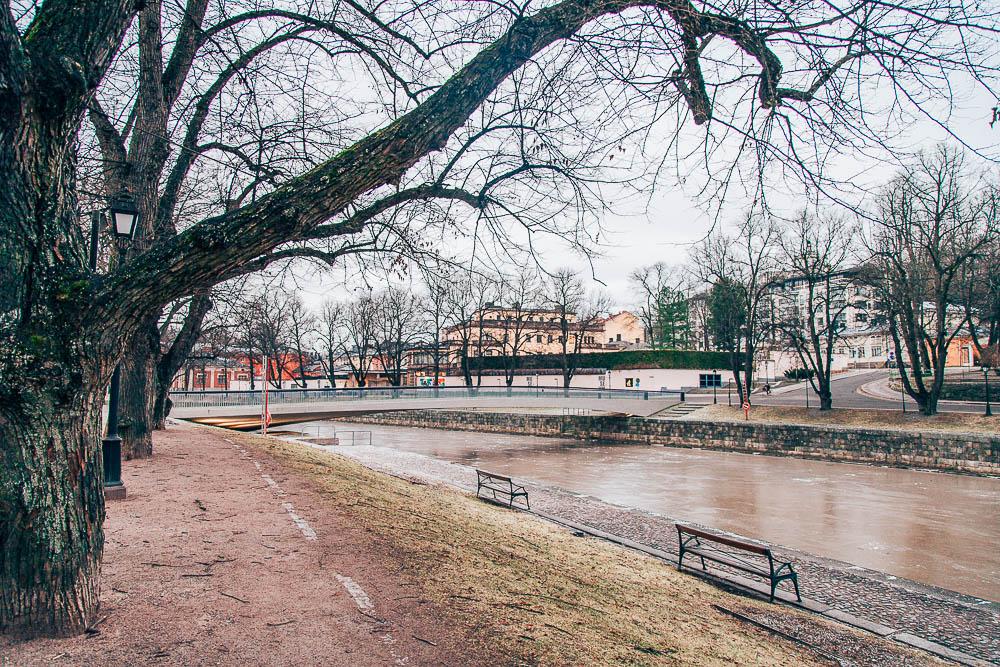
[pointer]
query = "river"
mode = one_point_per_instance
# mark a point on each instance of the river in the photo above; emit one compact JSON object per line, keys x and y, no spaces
{"x":931,"y":527}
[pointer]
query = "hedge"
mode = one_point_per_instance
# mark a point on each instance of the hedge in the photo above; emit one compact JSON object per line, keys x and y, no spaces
{"x":622,"y":360}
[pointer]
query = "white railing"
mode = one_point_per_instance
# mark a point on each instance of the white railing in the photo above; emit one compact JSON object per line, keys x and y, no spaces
{"x":196,"y":399}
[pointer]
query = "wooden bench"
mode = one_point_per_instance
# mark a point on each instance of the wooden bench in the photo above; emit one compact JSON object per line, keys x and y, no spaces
{"x":734,"y":553}
{"x":500,"y":489}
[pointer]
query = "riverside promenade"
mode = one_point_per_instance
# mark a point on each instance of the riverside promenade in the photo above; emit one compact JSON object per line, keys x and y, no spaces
{"x":234,"y":549}
{"x":955,"y":626}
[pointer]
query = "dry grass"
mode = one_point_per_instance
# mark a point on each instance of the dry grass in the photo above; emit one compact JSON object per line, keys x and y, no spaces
{"x":546,"y":596}
{"x":952,"y":422}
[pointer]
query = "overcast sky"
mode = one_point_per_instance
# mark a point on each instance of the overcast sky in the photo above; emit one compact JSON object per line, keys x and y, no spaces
{"x":661,"y":227}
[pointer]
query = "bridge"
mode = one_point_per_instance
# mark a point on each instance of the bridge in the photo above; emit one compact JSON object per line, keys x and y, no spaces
{"x":241,"y":409}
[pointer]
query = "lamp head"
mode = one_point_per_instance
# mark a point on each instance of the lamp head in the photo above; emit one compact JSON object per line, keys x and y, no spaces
{"x":124,"y":216}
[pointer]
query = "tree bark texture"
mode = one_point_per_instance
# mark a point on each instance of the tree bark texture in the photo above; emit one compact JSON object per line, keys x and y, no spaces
{"x":52,"y":510}
{"x":138,"y":390}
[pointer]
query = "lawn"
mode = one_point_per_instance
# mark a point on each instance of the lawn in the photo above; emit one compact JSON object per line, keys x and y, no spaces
{"x":547,"y":596}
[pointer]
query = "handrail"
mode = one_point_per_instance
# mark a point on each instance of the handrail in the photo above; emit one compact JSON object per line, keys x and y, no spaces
{"x":221,"y":398}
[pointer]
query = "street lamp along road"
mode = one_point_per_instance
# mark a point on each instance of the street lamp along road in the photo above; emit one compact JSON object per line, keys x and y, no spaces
{"x":986,"y":379}
{"x":124,"y":220}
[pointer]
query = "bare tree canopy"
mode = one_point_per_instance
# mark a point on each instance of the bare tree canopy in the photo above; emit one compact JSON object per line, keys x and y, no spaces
{"x":818,"y":262}
{"x":578,"y":314}
{"x":740,"y":267}
{"x":513,"y":110}
{"x":935,"y":220}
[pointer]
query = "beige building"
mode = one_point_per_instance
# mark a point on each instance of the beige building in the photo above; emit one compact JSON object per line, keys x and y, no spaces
{"x":622,"y":330}
{"x":497,"y":331}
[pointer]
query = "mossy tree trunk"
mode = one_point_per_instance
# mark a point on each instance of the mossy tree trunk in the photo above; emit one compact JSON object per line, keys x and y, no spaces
{"x":138,"y":390}
{"x":52,"y":499}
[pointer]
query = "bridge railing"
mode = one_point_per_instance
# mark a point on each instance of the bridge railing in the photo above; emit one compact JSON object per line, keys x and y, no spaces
{"x":197,"y":399}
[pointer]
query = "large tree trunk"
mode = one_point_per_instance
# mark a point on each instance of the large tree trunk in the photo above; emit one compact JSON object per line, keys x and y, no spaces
{"x":51,"y":511}
{"x":138,"y":390}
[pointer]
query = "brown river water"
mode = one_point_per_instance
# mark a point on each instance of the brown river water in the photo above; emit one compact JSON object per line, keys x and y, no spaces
{"x":934,"y":528}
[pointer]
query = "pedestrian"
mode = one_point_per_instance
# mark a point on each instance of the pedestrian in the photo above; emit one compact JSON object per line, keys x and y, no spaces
{"x":767,"y":389}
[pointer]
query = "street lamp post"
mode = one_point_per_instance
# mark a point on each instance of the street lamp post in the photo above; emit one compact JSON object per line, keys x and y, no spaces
{"x":715,"y":387}
{"x":986,"y":379}
{"x":902,"y":389}
{"x":124,"y":216}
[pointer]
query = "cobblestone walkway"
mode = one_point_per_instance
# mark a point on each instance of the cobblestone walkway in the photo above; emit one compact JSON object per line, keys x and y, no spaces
{"x":963,"y":623}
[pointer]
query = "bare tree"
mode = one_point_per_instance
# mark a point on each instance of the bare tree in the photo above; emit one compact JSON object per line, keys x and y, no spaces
{"x":468,"y":299}
{"x":933,"y":220}
{"x":357,"y":343}
{"x":515,"y":325}
{"x":436,"y":306}
{"x":271,"y":328}
{"x":397,"y":327}
{"x":578,"y":315}
{"x":783,"y":86}
{"x":301,"y":328}
{"x":330,"y":337}
{"x":663,"y":304}
{"x":815,"y":292}
{"x":740,"y":267}
{"x":980,"y":296}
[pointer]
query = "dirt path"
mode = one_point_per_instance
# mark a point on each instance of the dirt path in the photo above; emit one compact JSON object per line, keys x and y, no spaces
{"x":218,"y":557}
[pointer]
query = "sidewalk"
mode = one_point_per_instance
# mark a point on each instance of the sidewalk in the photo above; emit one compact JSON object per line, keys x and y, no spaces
{"x":219,"y":557}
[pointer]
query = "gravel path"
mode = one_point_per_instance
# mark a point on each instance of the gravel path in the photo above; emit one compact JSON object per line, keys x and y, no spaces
{"x":959,"y":622}
{"x":219,"y":557}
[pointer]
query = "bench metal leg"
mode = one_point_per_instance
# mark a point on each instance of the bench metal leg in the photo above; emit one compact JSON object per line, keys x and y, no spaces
{"x":774,"y":586}
{"x":795,"y":582}
{"x":703,"y":564}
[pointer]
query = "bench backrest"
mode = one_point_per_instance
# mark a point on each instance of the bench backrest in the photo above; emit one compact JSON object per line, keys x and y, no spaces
{"x":491,"y":476}
{"x":728,"y":541}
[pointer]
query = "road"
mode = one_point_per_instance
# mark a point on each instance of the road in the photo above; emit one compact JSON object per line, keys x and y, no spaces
{"x":856,"y":389}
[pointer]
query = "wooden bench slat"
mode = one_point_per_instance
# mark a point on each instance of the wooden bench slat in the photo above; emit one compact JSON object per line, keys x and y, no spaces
{"x":733,"y":563}
{"x":728,"y":541}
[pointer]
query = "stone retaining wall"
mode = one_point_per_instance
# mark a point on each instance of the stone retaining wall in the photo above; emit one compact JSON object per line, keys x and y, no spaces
{"x":979,"y":454}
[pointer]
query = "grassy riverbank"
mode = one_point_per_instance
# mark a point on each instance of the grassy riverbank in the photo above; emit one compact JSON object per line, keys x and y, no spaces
{"x":546,"y":596}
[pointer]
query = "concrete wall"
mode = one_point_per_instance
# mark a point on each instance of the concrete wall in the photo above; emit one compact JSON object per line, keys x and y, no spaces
{"x":642,"y":379}
{"x":978,"y":454}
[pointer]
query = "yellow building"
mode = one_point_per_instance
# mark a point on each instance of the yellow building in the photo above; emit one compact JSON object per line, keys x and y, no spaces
{"x":500,"y":331}
{"x":622,"y":330}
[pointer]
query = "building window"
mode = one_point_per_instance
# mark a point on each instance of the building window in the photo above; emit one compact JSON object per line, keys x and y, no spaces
{"x":861,"y":353}
{"x":709,"y":380}
{"x":551,"y":338}
{"x":876,"y":350}
{"x":538,"y":338}
{"x":221,"y":378}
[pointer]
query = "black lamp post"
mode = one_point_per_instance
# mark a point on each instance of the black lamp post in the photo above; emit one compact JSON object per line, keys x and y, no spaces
{"x":715,"y":386}
{"x":986,"y":379}
{"x":124,"y":218}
